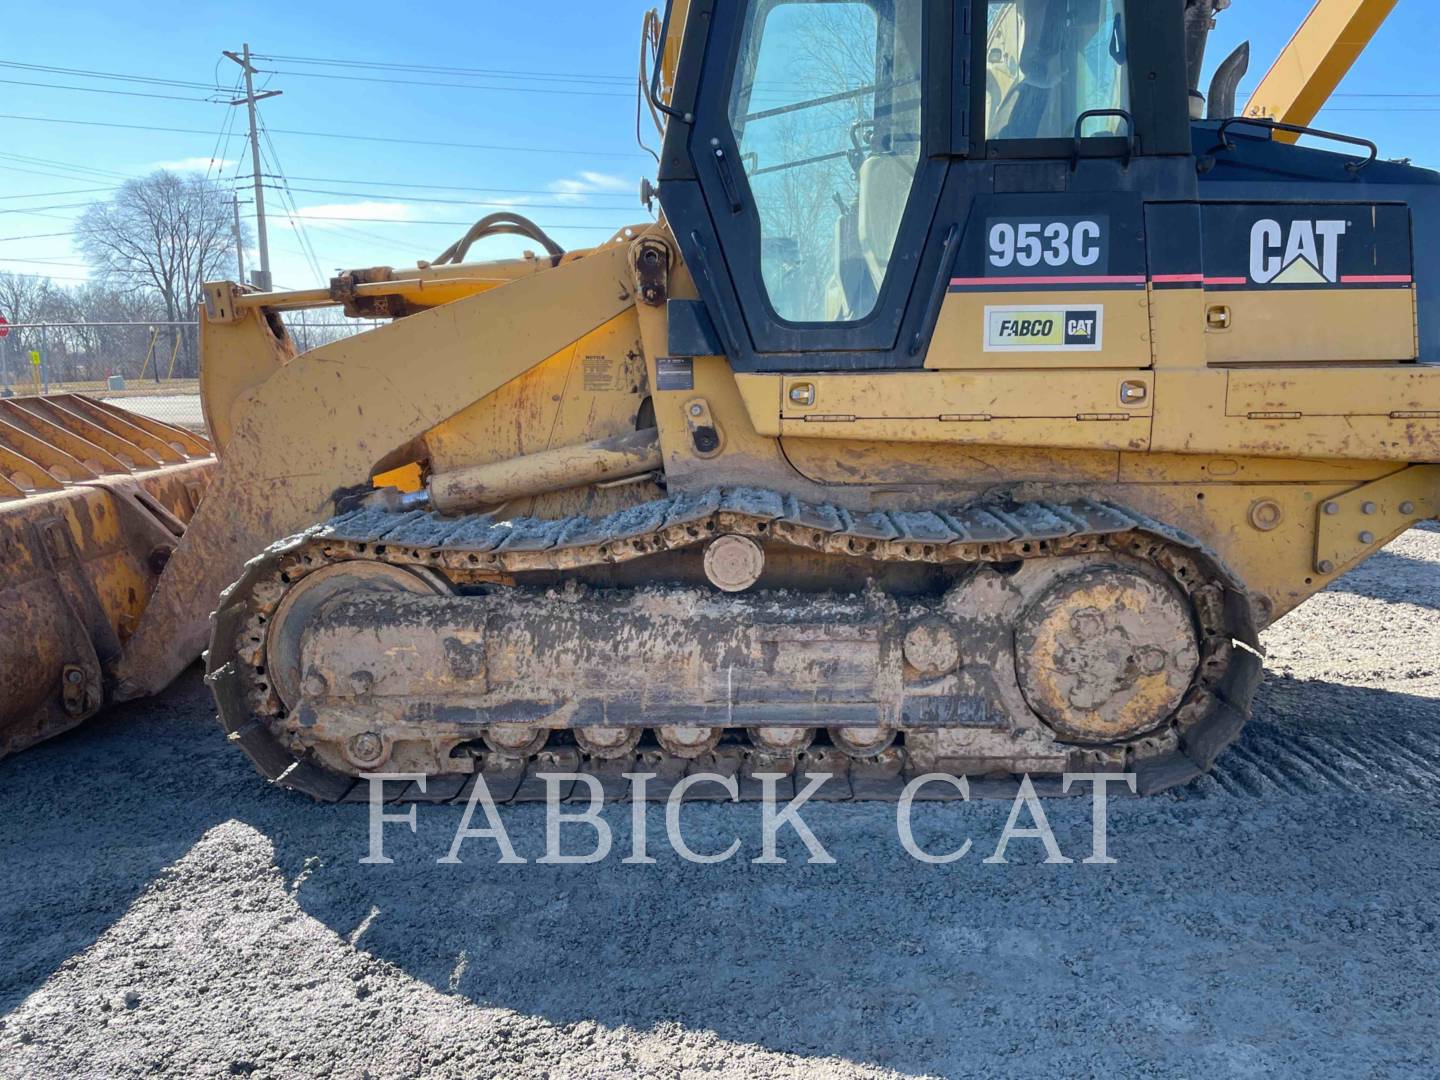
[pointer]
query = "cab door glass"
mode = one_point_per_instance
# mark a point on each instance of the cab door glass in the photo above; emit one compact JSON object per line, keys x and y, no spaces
{"x":1051,"y":61}
{"x":826,"y":112}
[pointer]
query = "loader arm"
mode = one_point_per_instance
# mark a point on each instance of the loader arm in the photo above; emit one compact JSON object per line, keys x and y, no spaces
{"x":1322,"y":52}
{"x":316,"y":428}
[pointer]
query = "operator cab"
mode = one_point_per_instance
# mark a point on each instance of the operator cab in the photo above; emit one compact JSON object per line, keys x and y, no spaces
{"x":862,"y":185}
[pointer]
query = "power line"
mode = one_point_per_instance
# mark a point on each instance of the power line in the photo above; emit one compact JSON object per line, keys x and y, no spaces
{"x":98,"y":173}
{"x":35,"y":236}
{"x":458,"y":202}
{"x":44,"y":262}
{"x":49,"y":206}
{"x":289,"y":200}
{"x":227,"y":127}
{"x":288,"y":73}
{"x":44,"y":277}
{"x":463,"y":224}
{"x":106,"y":90}
{"x":494,"y":148}
{"x":42,"y":172}
{"x":500,"y":73}
{"x":454,"y":187}
{"x":56,"y":217}
{"x":373,"y":238}
{"x":52,"y":194}
{"x":90,"y":73}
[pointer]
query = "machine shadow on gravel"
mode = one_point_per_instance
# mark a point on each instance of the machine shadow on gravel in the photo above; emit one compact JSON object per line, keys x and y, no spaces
{"x":1377,"y":579}
{"x":95,"y":816}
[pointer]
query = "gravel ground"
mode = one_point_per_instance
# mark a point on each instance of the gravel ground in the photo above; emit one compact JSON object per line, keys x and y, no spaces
{"x":163,"y":912}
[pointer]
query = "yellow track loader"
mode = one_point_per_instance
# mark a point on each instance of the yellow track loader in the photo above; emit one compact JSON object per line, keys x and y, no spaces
{"x":971,"y":406}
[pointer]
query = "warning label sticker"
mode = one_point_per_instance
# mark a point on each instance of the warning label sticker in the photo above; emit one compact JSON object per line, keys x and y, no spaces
{"x":674,"y":373}
{"x":1044,"y":329}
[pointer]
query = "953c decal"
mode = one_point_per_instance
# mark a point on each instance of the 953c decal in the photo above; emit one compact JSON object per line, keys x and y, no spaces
{"x":1038,"y":328}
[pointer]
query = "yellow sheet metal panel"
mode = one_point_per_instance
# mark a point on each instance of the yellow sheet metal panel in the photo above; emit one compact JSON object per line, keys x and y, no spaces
{"x":240,"y":353}
{"x":1158,"y":468}
{"x":591,"y":389}
{"x":1318,"y":57}
{"x":761,"y":395}
{"x":1393,"y":390}
{"x":1179,"y":328}
{"x":1310,"y":327}
{"x":1110,"y":431}
{"x":1265,"y":533}
{"x":973,"y":468}
{"x":1192,"y":417}
{"x":1038,"y":329}
{"x":954,"y":395}
{"x":1077,"y":409}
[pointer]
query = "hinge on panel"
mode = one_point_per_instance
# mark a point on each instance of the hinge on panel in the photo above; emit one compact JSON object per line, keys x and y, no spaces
{"x":832,"y":419}
{"x":1274,"y":415}
{"x":650,"y":264}
{"x":969,"y":418}
{"x":1103,"y":416}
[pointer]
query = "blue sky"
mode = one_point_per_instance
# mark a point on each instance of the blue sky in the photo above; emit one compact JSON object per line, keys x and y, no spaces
{"x":561,"y":101}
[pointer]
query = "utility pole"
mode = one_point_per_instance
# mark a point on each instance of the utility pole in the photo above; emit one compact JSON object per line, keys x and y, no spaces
{"x":262,"y":276}
{"x":239,"y":244}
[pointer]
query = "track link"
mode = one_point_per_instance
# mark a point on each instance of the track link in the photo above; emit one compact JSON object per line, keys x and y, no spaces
{"x":480,"y":550}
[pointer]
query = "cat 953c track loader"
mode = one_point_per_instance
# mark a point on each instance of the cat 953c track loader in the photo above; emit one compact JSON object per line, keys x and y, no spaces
{"x":970,"y":408}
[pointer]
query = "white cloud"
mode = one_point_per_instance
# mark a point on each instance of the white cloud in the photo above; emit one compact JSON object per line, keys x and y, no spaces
{"x":592,"y":183}
{"x":328,"y":215}
{"x":509,"y":200}
{"x":195,"y":164}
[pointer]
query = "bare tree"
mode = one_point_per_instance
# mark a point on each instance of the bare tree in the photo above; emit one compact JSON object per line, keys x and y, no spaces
{"x":24,"y":298}
{"x":165,"y":234}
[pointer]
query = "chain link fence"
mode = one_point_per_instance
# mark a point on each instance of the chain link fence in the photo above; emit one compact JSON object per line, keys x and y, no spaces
{"x":148,"y":367}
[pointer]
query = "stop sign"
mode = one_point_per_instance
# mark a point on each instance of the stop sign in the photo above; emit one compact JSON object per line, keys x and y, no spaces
{"x":4,"y":326}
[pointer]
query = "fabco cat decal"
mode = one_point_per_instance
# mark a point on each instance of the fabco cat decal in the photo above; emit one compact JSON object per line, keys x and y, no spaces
{"x":1044,"y":329}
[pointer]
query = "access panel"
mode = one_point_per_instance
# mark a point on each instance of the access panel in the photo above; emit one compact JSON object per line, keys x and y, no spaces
{"x":1045,"y":281}
{"x":1308,"y":283}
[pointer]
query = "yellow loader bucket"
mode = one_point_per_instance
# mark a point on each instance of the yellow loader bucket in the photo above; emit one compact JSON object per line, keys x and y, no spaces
{"x":93,"y":500}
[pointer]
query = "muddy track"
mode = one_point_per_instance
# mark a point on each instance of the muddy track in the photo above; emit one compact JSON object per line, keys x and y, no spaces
{"x":479,"y":550}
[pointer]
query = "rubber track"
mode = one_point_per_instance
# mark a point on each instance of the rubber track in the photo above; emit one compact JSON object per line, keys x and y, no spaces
{"x":478,"y":547}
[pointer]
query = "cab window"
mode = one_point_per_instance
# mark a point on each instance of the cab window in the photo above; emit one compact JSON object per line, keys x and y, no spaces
{"x":826,"y":112}
{"x":1049,"y":62}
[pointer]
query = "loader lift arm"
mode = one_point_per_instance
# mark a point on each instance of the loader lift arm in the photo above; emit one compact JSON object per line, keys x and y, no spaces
{"x":1322,"y":52}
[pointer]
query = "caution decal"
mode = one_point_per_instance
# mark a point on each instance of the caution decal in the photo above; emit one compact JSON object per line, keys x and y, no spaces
{"x":1044,"y":329}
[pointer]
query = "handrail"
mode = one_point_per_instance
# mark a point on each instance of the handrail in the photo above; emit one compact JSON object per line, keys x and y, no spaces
{"x":1094,"y":114}
{"x":652,"y":90}
{"x":1301,"y":129}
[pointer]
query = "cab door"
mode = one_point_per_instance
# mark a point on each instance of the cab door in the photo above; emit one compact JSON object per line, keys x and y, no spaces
{"x":818,"y":152}
{"x":1053,"y":272}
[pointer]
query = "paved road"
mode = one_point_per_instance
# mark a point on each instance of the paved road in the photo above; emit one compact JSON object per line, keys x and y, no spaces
{"x":162,"y":912}
{"x":181,"y":409}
